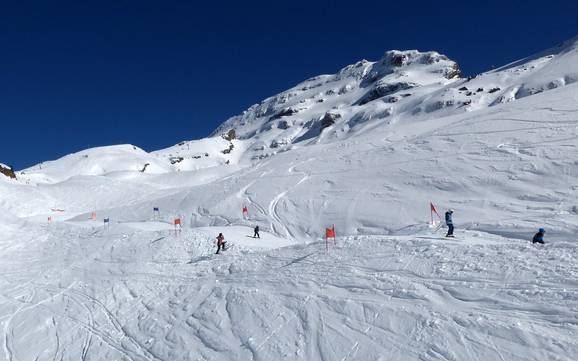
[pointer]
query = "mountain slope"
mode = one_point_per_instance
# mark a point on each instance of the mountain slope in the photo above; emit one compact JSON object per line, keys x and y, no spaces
{"x":509,"y":168}
{"x":388,"y":137}
{"x":401,"y":87}
{"x":368,"y":159}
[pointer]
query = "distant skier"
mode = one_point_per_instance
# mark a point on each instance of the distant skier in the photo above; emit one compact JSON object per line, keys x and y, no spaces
{"x":539,"y":237}
{"x":256,"y":234}
{"x":220,"y":243}
{"x":450,"y":223}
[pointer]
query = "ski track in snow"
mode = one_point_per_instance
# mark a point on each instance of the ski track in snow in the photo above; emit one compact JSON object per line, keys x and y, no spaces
{"x":409,"y":289}
{"x":274,"y":204}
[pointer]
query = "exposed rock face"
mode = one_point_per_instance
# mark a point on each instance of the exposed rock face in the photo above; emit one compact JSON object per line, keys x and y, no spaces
{"x":230,"y":135}
{"x":455,"y":72}
{"x":283,"y":125}
{"x":7,"y":171}
{"x":175,"y":160}
{"x":438,"y":105}
{"x":283,"y":113}
{"x":398,"y":60}
{"x":384,"y":89}
{"x":329,"y":119}
{"x":279,"y":143}
{"x":228,"y":150}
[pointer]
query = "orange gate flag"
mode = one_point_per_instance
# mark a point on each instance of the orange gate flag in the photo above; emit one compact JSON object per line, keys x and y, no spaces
{"x":330,"y":232}
{"x":433,"y":208}
{"x":432,"y":211}
{"x":177,"y":221}
{"x":93,"y":216}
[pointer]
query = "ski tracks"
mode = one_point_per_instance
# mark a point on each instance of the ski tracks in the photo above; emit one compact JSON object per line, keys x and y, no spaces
{"x":283,"y":324}
{"x":115,"y":337}
{"x":278,"y":222}
{"x":111,"y":333}
{"x":355,"y":347}
{"x":244,"y":193}
{"x":274,"y":204}
{"x":8,"y":333}
{"x":120,"y":332}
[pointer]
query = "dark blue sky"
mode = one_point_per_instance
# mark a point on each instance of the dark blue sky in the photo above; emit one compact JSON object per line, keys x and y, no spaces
{"x":82,"y":74}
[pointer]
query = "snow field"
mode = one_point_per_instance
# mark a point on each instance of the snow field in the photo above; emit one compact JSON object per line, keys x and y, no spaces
{"x":390,"y":290}
{"x":138,"y":292}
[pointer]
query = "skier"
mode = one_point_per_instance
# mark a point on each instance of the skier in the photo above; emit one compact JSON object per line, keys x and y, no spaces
{"x":539,"y":237}
{"x":450,"y":223}
{"x":220,"y":243}
{"x":256,"y":235}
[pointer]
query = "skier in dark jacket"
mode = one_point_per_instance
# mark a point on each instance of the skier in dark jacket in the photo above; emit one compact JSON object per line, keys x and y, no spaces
{"x":220,"y":243}
{"x":539,"y":237}
{"x":256,"y":234}
{"x":450,"y":223}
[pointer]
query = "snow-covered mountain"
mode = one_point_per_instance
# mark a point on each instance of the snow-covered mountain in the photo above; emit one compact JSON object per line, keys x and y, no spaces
{"x":371,"y":120}
{"x":367,"y":150}
{"x":355,"y":95}
{"x":401,"y":87}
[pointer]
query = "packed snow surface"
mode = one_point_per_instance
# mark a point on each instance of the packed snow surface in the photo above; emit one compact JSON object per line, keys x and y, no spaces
{"x":367,"y":150}
{"x":146,"y":293}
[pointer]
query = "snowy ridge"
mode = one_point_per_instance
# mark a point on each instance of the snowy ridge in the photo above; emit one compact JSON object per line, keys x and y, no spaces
{"x":114,"y":160}
{"x":346,"y":98}
{"x":402,"y":86}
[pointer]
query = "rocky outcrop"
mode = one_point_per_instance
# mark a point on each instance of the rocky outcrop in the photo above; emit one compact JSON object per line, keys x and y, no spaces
{"x":440,"y":104}
{"x":7,"y":171}
{"x":276,"y":143}
{"x":284,"y":113}
{"x":175,"y":160}
{"x":230,"y":135}
{"x":384,"y":89}
{"x":329,"y":119}
{"x":454,"y":72}
{"x":283,"y":124}
{"x":228,"y":150}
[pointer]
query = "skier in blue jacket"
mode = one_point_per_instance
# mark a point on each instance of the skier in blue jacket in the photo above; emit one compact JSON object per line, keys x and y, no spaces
{"x":539,"y":237}
{"x":450,"y":223}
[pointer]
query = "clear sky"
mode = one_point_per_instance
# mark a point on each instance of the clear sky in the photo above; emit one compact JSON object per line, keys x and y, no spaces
{"x":152,"y":73}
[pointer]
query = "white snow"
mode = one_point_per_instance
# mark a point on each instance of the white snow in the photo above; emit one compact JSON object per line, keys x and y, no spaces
{"x":149,"y":294}
{"x":391,"y":288}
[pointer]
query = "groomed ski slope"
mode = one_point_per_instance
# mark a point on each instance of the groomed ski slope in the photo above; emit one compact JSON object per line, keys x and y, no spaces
{"x":140,"y":292}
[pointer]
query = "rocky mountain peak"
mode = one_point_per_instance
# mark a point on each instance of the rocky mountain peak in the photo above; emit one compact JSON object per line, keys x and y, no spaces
{"x":7,"y":171}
